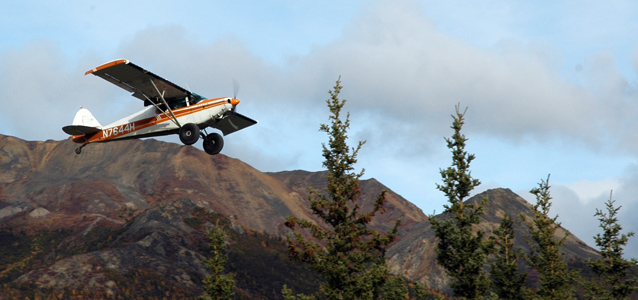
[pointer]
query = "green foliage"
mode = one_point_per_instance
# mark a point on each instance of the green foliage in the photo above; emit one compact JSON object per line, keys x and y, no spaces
{"x":134,"y":284}
{"x":457,"y":179}
{"x":462,"y":249}
{"x":289,"y":295}
{"x":262,"y":266}
{"x":140,"y":284}
{"x":394,"y":288}
{"x":507,"y":282}
{"x":218,"y":286}
{"x":22,"y":251}
{"x":258,"y":260}
{"x":349,"y":255}
{"x":99,"y":238}
{"x":611,"y":268}
{"x":555,"y":280}
{"x":202,"y":216}
{"x":420,"y":292}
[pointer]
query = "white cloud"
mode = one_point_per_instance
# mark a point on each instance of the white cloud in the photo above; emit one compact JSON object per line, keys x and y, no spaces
{"x":588,"y":190}
{"x":399,"y":66}
{"x":576,"y":203}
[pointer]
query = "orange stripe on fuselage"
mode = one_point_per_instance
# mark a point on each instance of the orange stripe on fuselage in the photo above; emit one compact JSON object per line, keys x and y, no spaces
{"x":111,"y":133}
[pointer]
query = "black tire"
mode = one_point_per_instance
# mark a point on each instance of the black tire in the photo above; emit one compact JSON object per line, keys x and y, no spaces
{"x":213,"y":143}
{"x":189,"y":134}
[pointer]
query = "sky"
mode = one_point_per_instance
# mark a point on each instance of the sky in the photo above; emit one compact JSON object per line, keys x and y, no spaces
{"x":550,"y":87}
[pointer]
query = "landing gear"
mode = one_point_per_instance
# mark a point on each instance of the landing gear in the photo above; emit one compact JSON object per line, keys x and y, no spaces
{"x":78,"y":150}
{"x":213,"y":143}
{"x":189,"y":134}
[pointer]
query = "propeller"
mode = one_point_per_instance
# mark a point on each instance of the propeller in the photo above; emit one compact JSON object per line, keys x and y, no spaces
{"x":235,"y":92}
{"x":234,"y":103}
{"x":235,"y":88}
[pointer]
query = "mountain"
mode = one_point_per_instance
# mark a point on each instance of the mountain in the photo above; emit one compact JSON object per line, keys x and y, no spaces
{"x":396,"y":206}
{"x":414,"y":256}
{"x":130,"y":209}
{"x":128,"y":218}
{"x":136,"y":175}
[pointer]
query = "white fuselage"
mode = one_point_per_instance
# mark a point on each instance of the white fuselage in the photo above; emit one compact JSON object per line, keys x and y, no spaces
{"x":152,"y":122}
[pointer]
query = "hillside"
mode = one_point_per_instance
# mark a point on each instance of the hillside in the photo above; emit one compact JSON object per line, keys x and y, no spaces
{"x":397,"y":207}
{"x":129,"y":217}
{"x":121,"y":206}
{"x":407,"y":255}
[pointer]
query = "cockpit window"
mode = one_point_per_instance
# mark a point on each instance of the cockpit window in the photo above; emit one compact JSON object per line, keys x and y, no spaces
{"x":195,"y":98}
{"x":176,"y":103}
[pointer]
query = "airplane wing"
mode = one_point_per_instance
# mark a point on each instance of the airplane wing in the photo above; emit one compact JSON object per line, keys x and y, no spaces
{"x":233,"y":122}
{"x":138,"y":81}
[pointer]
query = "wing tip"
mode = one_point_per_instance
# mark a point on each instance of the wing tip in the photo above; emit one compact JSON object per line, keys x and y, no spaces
{"x":107,"y":65}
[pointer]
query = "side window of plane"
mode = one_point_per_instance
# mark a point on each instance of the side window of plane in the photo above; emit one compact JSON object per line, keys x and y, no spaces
{"x":177,"y":103}
{"x":195,"y":98}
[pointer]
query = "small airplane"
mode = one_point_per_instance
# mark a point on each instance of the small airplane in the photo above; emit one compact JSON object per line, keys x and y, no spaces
{"x":170,"y":109}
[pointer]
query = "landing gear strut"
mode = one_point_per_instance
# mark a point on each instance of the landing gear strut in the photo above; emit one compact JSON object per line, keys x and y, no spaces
{"x":78,"y":150}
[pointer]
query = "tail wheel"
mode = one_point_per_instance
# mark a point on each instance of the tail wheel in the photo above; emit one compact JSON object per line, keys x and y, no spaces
{"x":189,"y":134}
{"x":213,"y":143}
{"x":78,"y":150}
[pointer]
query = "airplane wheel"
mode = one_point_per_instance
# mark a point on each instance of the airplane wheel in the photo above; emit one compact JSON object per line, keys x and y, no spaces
{"x":213,"y":143}
{"x":189,"y":134}
{"x":78,"y":150}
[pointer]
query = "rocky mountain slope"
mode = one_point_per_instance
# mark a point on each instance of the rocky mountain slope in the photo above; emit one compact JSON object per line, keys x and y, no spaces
{"x":124,"y":206}
{"x":407,"y":255}
{"x":397,"y":207}
{"x":132,"y":214}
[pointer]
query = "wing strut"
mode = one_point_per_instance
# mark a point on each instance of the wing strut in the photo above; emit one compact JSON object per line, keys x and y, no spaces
{"x":160,"y":109}
{"x":161,"y":95}
{"x":165,"y":104}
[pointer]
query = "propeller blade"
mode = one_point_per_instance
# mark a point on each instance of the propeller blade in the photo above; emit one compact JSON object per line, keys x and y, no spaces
{"x":235,"y":88}
{"x":230,"y":121}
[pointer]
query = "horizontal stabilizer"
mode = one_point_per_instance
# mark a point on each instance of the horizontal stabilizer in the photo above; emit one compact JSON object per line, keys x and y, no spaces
{"x":233,"y":122}
{"x":80,"y":129}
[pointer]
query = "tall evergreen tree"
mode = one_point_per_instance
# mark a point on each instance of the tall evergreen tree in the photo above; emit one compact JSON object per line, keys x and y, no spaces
{"x":507,"y":281}
{"x":611,"y":268}
{"x":218,"y":286}
{"x":556,"y":281}
{"x":349,"y":255}
{"x":462,"y":249}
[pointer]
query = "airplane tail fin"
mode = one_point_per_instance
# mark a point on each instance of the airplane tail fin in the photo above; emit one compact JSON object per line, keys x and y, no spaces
{"x":85,"y":118}
{"x":84,"y":123}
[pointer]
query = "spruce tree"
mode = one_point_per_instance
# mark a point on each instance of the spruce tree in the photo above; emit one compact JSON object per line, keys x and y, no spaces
{"x":347,"y":253}
{"x":612,"y":269}
{"x":556,"y":281}
{"x":462,"y":249}
{"x":218,"y":286}
{"x":289,"y":295}
{"x":507,"y":281}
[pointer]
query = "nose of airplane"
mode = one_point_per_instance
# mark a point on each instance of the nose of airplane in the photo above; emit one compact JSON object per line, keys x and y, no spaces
{"x":234,"y":101}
